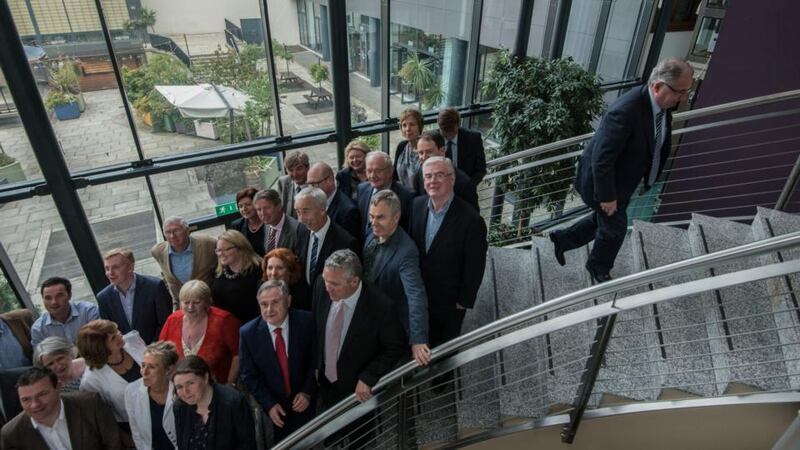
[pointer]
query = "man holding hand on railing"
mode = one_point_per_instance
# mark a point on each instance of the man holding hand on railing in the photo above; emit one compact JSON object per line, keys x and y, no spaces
{"x":631,"y":144}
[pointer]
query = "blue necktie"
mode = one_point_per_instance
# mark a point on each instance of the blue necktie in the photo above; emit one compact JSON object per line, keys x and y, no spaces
{"x":656,"y":149}
{"x":312,"y":266}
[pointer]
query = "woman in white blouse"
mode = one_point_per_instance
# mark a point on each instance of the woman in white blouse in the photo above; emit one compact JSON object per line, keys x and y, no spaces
{"x":149,"y":400}
{"x":113,"y":361}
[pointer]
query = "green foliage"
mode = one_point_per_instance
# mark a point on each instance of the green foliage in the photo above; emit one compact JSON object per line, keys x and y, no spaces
{"x":373,"y":141}
{"x":319,"y":73}
{"x":540,"y":101}
{"x":259,"y":108}
{"x":418,"y":74}
{"x":228,"y":69}
{"x":282,"y":52}
{"x":58,"y":98}
{"x":503,"y":234}
{"x":162,"y":69}
{"x":8,"y":300}
{"x":65,"y":76}
{"x":146,"y":19}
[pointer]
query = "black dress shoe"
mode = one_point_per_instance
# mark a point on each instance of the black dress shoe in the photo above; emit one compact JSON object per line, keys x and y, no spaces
{"x":559,"y":252}
{"x":598,"y":277}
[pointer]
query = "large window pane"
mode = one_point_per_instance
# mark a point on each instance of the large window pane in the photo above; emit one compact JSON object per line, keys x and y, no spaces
{"x":300,"y":32}
{"x":622,"y":21}
{"x":499,"y":23}
{"x":365,"y":59}
{"x":581,"y":30}
{"x":429,"y":42}
{"x":536,"y":44}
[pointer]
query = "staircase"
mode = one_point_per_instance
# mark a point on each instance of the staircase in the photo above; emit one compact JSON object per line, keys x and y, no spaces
{"x":742,"y":339}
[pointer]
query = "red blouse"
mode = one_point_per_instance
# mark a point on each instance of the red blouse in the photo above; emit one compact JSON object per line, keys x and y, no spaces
{"x":220,"y":344}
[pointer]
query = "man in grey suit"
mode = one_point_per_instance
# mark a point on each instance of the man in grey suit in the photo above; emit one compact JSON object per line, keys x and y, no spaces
{"x":133,"y":301}
{"x":49,"y":420}
{"x":391,"y":262}
{"x":294,"y":181}
{"x":281,"y":229}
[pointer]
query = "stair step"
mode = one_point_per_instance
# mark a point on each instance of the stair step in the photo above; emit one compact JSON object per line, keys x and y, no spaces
{"x":740,"y":321}
{"x":677,"y":333}
{"x":783,"y":291}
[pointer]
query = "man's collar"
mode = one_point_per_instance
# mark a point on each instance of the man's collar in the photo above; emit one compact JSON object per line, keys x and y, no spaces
{"x":282,"y":326}
{"x":132,"y":286}
{"x":48,"y":320}
{"x":61,"y":416}
{"x":653,"y":105}
{"x":324,"y":229}
{"x":351,"y":301}
{"x":444,"y":207}
{"x":188,"y":248}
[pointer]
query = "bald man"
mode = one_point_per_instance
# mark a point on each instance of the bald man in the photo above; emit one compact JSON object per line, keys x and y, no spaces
{"x":340,"y":208}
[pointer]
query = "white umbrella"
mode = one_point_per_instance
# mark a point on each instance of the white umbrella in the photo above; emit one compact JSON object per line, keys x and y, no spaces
{"x":205,"y":101}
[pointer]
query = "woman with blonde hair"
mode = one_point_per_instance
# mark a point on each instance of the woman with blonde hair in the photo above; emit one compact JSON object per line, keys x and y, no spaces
{"x":198,"y":328}
{"x":238,"y":276}
{"x":406,"y":162}
{"x":355,"y":171}
{"x":149,"y":400}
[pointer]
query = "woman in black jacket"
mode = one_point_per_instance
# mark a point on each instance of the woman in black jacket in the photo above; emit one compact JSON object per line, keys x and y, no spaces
{"x":209,"y":416}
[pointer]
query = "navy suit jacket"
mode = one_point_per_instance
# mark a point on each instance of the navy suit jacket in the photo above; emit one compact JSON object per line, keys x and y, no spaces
{"x":453,"y":267}
{"x":365,"y":195}
{"x":152,"y":305}
{"x":344,"y":212}
{"x":471,"y":155}
{"x":396,"y":273}
{"x":621,"y":152}
{"x":261,"y":373}
{"x":336,"y":239}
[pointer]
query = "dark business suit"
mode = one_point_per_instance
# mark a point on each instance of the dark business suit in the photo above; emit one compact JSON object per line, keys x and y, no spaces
{"x":287,"y":189}
{"x":373,"y":344}
{"x":463,"y":188}
{"x":365,"y":195}
{"x":470,"y":154}
{"x":396,"y":273}
{"x":347,"y":183}
{"x":230,"y":421}
{"x":611,"y":166}
{"x":257,"y":240}
{"x":288,"y":237}
{"x":152,"y":305}
{"x":344,"y":212}
{"x":89,"y":421}
{"x":261,"y":373}
{"x":453,"y":267}
{"x":336,"y":239}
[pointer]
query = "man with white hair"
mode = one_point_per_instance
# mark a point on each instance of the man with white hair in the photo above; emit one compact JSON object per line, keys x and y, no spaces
{"x":320,"y":237}
{"x":630,"y":146}
{"x":340,"y":208}
{"x":379,"y":177}
{"x":184,"y":257}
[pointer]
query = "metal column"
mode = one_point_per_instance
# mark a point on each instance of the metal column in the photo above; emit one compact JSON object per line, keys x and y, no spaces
{"x":523,"y":28}
{"x":48,"y":151}
{"x":337,"y":15}
{"x":664,"y":14}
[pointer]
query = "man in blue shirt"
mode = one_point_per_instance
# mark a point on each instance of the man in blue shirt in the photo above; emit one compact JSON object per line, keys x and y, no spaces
{"x":63,"y":317}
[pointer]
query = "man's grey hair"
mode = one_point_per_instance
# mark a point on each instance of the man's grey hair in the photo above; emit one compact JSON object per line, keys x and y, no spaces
{"x":669,"y":71}
{"x":272,"y":284}
{"x":176,"y":219}
{"x":388,"y":197}
{"x":345,"y":260}
{"x":387,"y":161}
{"x":315,"y":194}
{"x":53,"y":346}
{"x":270,"y":195}
{"x":439,"y":159}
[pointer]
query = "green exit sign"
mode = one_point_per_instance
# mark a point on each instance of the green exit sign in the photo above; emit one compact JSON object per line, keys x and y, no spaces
{"x":225,"y":209}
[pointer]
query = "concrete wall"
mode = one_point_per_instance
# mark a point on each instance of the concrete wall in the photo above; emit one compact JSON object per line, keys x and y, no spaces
{"x":201,"y":16}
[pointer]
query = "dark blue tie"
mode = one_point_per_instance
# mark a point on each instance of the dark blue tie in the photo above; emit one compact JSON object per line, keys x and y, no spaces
{"x":656,"y":149}
{"x":449,"y":152}
{"x":312,"y":266}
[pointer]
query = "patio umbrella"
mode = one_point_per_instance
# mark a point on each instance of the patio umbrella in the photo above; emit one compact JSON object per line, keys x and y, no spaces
{"x":206,"y":101}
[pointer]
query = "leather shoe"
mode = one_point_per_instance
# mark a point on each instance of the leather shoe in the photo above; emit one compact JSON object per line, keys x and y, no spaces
{"x":559,"y":252}
{"x":598,"y":277}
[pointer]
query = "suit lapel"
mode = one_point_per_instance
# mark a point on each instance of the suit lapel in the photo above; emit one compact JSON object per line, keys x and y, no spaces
{"x":360,"y":315}
{"x":119,"y":312}
{"x":294,"y":359}
{"x":418,"y":227}
{"x":649,"y":130}
{"x":139,"y":294}
{"x":264,"y":340}
{"x":449,"y":220}
{"x":195,"y":258}
{"x":389,"y":249}
{"x":73,"y":425}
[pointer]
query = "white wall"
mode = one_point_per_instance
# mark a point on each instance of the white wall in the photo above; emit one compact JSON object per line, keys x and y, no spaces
{"x":202,"y":16}
{"x":283,"y":21}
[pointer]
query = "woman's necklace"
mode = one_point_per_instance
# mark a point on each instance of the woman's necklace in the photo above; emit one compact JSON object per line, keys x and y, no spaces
{"x":121,"y":360}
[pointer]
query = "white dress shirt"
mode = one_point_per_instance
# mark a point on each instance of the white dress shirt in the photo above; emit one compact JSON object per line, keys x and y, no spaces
{"x":321,"y":237}
{"x":284,"y":332}
{"x":349,"y":305}
{"x":57,"y":436}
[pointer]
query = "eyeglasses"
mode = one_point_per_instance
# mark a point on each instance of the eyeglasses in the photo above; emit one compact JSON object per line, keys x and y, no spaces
{"x":681,"y":92}
{"x":223,"y":250}
{"x":438,"y":176}
{"x":317,"y":183}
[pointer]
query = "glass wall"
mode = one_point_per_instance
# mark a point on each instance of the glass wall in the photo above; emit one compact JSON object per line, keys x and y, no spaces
{"x":581,"y":30}
{"x":619,"y":35}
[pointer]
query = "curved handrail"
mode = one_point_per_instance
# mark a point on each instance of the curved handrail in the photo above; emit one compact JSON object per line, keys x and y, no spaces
{"x":682,"y":116}
{"x":463,"y":342}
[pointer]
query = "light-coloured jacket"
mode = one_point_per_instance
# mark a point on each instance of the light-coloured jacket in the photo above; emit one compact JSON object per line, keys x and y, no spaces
{"x":137,"y":403}
{"x":109,"y":384}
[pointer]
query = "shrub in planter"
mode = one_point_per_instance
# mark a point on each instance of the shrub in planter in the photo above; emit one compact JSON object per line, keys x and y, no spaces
{"x":11,"y":169}
{"x":65,"y":105}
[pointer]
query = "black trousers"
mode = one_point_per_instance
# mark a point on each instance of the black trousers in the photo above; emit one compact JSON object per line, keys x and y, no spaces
{"x":444,"y":325}
{"x":607,"y":232}
{"x":358,"y":434}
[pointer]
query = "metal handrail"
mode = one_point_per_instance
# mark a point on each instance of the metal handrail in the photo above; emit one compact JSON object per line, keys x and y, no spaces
{"x":682,"y":116}
{"x":464,"y":342}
